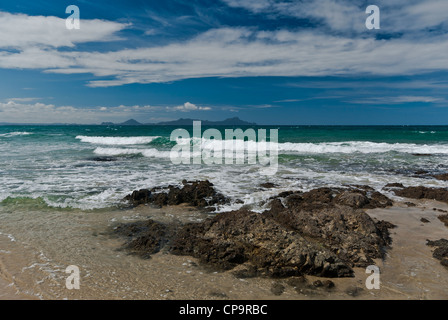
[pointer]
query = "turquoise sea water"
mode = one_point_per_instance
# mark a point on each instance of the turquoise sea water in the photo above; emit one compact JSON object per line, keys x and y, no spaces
{"x":93,"y":167}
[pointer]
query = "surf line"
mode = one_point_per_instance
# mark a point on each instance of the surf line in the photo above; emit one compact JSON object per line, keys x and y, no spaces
{"x":207,"y":148}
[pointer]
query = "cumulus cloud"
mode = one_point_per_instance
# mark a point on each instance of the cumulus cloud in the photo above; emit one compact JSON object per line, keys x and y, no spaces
{"x":187,"y":106}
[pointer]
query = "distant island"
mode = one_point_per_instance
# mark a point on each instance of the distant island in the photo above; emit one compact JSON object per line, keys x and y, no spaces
{"x":185,"y":122}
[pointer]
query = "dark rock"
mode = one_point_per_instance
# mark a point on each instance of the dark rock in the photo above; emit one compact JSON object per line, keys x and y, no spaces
{"x":420,"y":172}
{"x":393,"y":185}
{"x":102,"y":159}
{"x":237,"y":237}
{"x":328,"y":284}
{"x":143,"y":238}
{"x":196,"y":193}
{"x":441,"y":251}
{"x":321,"y":232}
{"x":352,"y":199}
{"x":422,"y":154}
{"x":410,"y":204}
{"x":439,"y":194}
{"x":352,"y":234}
{"x":443,"y":176}
{"x":424,"y":220}
{"x":268,"y":185}
{"x":444,"y":219}
{"x":139,"y":197}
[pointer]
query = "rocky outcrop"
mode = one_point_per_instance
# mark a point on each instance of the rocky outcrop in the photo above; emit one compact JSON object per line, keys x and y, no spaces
{"x":196,"y":193}
{"x":329,"y":197}
{"x":444,"y":219}
{"x":144,"y":238}
{"x":441,"y":250}
{"x":322,"y":232}
{"x":439,"y":194}
{"x":443,"y":176}
{"x":238,"y":237}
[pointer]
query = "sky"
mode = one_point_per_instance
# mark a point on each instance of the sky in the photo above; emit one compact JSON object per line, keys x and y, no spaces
{"x":282,"y":62}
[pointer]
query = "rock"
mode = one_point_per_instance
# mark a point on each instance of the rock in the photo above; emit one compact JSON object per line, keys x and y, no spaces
{"x":328,"y":284}
{"x":444,"y":219}
{"x":424,"y":220}
{"x":443,"y":176}
{"x":441,"y":251}
{"x":393,"y":185}
{"x":268,"y":185}
{"x":326,"y":197}
{"x":321,"y":232}
{"x":102,"y":159}
{"x":352,"y":234}
{"x":139,"y":197}
{"x":143,"y":238}
{"x":233,"y":238}
{"x":439,"y":194}
{"x":196,"y":193}
{"x":352,"y":199}
{"x":410,"y":204}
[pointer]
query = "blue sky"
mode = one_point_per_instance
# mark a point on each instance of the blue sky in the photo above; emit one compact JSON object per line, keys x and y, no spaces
{"x":265,"y":61}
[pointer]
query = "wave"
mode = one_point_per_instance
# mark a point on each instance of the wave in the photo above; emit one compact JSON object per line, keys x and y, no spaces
{"x":250,"y":147}
{"x":150,"y":153}
{"x":117,"y":141}
{"x":15,"y":134}
{"x":364,"y":147}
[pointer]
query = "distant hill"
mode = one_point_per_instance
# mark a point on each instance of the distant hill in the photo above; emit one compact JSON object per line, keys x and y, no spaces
{"x":130,"y":122}
{"x":187,"y":122}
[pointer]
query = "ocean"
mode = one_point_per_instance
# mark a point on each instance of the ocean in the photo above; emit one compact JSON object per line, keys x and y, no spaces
{"x":95,"y":167}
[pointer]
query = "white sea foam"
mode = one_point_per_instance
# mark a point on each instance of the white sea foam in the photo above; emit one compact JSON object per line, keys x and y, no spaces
{"x":320,"y":148}
{"x":362,"y":147}
{"x":15,"y":134}
{"x":150,"y":153}
{"x":117,"y":141}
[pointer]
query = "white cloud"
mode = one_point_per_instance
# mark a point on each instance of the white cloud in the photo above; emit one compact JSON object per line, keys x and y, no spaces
{"x":187,"y":106}
{"x":23,"y":31}
{"x":397,"y":100}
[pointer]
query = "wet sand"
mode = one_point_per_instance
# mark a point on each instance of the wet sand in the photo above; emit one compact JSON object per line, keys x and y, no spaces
{"x":36,"y":247}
